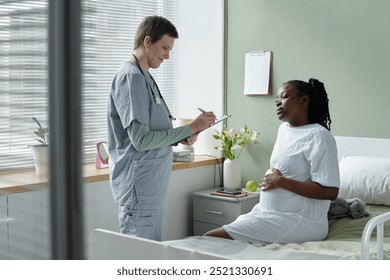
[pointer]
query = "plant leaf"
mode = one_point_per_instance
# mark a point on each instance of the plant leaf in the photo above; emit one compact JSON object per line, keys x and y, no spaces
{"x":38,"y":123}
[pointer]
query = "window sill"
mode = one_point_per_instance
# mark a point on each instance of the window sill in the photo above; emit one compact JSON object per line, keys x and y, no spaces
{"x":25,"y":181}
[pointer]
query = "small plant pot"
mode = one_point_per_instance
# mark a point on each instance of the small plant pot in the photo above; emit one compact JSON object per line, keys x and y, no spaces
{"x":41,"y":159}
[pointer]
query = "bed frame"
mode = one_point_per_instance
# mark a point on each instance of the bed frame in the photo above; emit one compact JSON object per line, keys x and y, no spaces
{"x":104,"y":244}
{"x":375,"y":147}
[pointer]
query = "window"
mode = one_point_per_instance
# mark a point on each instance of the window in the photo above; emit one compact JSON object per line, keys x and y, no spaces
{"x":108,"y":34}
{"x":23,"y":78}
{"x":107,"y":40}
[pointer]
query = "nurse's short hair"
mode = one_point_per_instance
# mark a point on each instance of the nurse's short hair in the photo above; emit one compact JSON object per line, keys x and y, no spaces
{"x":155,"y":27}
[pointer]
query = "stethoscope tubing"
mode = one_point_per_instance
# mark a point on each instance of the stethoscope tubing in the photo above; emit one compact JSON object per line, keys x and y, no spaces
{"x":158,"y":89}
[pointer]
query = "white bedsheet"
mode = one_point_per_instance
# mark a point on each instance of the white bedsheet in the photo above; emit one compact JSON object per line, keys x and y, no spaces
{"x":237,"y":250}
{"x":342,"y":242}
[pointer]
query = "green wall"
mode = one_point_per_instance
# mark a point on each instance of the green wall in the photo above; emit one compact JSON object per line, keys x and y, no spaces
{"x":343,"y":43}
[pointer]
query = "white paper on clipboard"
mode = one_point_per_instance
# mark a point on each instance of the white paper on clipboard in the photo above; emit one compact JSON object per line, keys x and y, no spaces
{"x":257,"y":73}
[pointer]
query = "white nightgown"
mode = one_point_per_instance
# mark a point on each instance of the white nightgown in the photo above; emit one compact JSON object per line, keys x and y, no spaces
{"x":305,"y":153}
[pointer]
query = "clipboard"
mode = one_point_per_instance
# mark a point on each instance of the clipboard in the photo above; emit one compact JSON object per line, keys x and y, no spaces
{"x":222,"y":118}
{"x":258,"y":73}
{"x":218,"y":120}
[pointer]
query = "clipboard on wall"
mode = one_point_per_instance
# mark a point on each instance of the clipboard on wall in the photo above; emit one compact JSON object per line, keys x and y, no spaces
{"x":258,"y":73}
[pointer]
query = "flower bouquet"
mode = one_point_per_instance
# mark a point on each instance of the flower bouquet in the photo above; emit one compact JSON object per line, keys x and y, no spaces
{"x":232,"y":143}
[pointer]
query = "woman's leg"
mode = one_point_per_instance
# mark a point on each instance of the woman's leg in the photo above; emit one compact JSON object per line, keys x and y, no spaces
{"x":219,"y":232}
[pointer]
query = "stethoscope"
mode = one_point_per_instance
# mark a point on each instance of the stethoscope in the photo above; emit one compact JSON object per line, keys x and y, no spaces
{"x":156,"y":102}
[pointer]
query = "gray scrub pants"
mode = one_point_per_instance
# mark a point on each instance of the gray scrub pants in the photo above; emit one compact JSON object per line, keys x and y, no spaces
{"x":143,"y":216}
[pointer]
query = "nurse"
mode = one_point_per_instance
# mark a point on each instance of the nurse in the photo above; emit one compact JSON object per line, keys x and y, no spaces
{"x":140,"y":133}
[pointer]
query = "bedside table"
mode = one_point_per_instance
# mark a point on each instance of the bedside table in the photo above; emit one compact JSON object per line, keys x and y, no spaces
{"x":211,"y":211}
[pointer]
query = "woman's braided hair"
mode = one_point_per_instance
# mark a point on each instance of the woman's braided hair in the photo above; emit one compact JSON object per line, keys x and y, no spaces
{"x":319,"y":102}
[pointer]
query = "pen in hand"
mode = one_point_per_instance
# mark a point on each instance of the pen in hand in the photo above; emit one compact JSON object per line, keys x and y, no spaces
{"x":200,"y":109}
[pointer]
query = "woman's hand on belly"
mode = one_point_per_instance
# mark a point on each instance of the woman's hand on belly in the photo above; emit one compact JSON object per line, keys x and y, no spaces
{"x":271,"y":179}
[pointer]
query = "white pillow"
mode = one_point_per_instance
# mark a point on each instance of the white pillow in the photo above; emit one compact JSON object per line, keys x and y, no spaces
{"x":367,"y":178}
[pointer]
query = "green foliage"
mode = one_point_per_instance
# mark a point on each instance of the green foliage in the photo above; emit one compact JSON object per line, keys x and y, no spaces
{"x":41,"y":132}
{"x":232,"y":143}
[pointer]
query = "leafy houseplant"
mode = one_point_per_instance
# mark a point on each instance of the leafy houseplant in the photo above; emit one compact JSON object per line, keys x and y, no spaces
{"x":41,"y":132}
{"x":41,"y":150}
{"x":232,"y":143}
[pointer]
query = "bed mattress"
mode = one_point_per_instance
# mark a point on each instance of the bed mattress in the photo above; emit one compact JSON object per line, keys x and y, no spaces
{"x":342,"y":242}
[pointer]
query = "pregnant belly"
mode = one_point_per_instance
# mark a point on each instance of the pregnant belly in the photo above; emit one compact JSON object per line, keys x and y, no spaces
{"x":281,"y":200}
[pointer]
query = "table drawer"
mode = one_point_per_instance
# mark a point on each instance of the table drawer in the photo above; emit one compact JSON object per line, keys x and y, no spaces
{"x":215,"y":211}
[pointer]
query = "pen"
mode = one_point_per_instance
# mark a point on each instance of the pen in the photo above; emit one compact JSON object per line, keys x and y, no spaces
{"x":200,"y":109}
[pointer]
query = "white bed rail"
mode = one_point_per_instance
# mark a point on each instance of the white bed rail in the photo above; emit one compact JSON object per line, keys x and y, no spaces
{"x":377,"y":222}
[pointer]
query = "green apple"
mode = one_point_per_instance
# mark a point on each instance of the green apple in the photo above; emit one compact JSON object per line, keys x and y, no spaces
{"x":251,"y":186}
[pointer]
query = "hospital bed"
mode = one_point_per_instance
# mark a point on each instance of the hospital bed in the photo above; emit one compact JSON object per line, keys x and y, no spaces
{"x":365,"y":174}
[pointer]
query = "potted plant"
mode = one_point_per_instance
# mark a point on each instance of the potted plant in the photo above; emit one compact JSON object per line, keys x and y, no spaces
{"x":41,"y":150}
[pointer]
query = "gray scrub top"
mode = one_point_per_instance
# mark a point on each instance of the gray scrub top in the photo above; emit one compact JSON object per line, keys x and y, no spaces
{"x":131,"y":99}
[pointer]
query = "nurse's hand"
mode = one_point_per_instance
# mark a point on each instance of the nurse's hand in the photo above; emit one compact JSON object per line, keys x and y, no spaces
{"x":190,"y":140}
{"x":203,"y":121}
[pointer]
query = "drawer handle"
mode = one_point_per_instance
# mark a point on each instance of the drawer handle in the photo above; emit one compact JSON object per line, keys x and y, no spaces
{"x":213,"y":212}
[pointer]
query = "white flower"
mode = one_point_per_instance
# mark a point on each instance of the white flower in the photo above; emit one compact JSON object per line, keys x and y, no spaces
{"x":232,"y":144}
{"x":254,"y":136}
{"x":231,"y":133}
{"x":235,"y":147}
